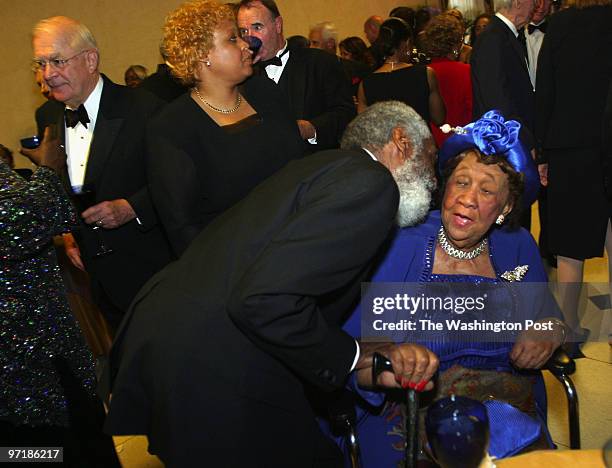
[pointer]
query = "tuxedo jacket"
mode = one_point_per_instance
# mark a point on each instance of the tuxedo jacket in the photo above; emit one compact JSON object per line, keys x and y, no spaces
{"x":318,"y":91}
{"x":500,"y":76}
{"x":574,"y":76}
{"x":116,"y":169}
{"x":218,"y":348}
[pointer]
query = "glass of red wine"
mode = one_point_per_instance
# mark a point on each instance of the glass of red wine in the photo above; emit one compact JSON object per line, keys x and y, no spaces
{"x":458,"y":432}
{"x":85,"y":197}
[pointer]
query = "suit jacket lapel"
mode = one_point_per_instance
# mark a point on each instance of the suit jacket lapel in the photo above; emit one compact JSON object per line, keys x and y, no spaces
{"x":61,"y":135}
{"x":516,"y":45}
{"x":105,"y":132}
{"x":293,"y":84}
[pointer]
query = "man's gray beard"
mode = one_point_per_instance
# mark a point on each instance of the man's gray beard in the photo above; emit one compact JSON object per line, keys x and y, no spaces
{"x":415,"y":188}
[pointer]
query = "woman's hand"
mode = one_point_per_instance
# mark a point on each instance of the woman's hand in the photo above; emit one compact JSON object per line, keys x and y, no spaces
{"x":413,"y":366}
{"x":50,"y":153}
{"x":534,"y":347}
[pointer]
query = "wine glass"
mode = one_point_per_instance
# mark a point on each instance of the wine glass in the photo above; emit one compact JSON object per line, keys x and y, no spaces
{"x":458,"y":432}
{"x":85,"y":197}
{"x":254,"y":44}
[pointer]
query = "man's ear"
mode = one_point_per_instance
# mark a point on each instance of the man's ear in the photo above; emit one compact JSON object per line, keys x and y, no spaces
{"x":402,"y":142}
{"x":92,"y":57}
{"x":278,"y":24}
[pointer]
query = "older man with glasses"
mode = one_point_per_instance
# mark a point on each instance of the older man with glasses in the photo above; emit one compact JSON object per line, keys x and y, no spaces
{"x":102,"y":128}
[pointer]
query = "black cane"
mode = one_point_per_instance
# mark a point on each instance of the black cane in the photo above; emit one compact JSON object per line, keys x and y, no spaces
{"x":380,"y":364}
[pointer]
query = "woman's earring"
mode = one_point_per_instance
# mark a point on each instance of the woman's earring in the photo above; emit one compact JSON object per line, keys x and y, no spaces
{"x":500,"y":219}
{"x":207,"y":62}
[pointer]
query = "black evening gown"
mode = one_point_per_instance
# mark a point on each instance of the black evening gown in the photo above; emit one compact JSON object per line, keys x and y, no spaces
{"x":408,"y":85}
{"x":47,"y":379}
{"x":198,"y":169}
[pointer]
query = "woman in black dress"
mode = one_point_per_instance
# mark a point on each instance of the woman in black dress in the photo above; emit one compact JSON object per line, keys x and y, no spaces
{"x":210,"y":147}
{"x":398,"y":80}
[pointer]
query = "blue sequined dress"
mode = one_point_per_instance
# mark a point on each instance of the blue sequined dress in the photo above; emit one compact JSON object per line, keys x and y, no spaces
{"x":37,"y":328}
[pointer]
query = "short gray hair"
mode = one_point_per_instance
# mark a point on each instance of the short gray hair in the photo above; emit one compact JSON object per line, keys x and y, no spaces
{"x":328,"y":30}
{"x":372,"y":128}
{"x":503,"y":5}
{"x":74,"y":33}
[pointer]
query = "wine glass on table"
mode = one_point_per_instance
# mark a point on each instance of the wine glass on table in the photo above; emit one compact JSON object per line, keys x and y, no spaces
{"x":458,"y":432}
{"x":85,"y":197}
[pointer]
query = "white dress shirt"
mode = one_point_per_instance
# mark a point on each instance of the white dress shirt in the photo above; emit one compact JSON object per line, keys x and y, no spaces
{"x":534,"y":43}
{"x":274,"y":72}
{"x":78,"y":139}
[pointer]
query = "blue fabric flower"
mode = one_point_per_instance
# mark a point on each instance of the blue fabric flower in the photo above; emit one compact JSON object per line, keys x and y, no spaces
{"x":494,"y":135}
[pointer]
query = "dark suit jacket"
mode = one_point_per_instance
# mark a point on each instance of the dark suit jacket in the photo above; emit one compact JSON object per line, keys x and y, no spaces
{"x":318,"y":91}
{"x":574,"y":73}
{"x":500,"y":77}
{"x":217,"y":350}
{"x":116,"y":169}
{"x":163,"y":84}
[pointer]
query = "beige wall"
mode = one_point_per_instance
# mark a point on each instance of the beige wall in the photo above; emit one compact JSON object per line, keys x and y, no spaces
{"x":128,"y":32}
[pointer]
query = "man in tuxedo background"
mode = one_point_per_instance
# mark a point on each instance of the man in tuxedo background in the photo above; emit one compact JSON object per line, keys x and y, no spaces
{"x":262,"y":294}
{"x":534,"y":35}
{"x":318,"y":92}
{"x":324,"y":36}
{"x":102,"y":126}
{"x":500,"y":72}
{"x":371,"y":28}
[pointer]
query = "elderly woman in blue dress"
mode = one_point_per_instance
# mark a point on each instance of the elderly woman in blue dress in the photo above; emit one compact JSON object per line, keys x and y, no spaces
{"x":474,"y":239}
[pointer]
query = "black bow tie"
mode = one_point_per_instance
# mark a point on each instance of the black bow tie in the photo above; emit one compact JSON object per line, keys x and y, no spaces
{"x":73,"y":117}
{"x":540,"y":27}
{"x":276,"y":60}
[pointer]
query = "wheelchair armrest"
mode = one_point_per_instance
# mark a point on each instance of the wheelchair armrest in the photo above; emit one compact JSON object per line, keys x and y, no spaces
{"x":560,"y":363}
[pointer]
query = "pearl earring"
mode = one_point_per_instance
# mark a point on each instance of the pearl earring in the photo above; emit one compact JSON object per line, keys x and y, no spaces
{"x":500,"y":219}
{"x":207,"y":62}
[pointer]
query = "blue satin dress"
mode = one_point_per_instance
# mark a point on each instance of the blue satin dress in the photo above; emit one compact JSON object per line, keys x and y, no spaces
{"x":410,"y":259}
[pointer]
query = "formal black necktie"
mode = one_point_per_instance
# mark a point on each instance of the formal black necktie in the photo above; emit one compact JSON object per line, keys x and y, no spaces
{"x":540,"y":27}
{"x":73,"y":117}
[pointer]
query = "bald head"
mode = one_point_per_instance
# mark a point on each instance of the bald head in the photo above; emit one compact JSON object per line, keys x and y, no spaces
{"x":371,"y":27}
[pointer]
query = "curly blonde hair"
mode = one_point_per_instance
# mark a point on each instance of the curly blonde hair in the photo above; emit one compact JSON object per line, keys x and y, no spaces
{"x":188,"y":36}
{"x":442,"y":35}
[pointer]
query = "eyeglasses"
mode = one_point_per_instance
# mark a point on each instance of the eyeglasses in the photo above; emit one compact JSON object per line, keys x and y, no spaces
{"x":57,"y":63}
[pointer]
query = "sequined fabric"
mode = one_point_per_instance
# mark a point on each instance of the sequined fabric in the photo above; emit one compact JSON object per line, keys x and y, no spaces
{"x":36,"y":325}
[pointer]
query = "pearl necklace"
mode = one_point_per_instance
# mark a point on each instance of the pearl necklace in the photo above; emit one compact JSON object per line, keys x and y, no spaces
{"x":218,"y":109}
{"x":454,"y":252}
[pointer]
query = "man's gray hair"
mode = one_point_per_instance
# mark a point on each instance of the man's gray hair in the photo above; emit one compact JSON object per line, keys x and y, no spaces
{"x":372,"y":128}
{"x":328,"y":30}
{"x":503,"y":5}
{"x":74,"y":33}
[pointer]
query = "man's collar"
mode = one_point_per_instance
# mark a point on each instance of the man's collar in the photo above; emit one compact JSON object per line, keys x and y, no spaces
{"x":94,"y":96}
{"x":370,"y":153}
{"x":282,"y":50}
{"x":92,"y":103}
{"x":508,"y":23}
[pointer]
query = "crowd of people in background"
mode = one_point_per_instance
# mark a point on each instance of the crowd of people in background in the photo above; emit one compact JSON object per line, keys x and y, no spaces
{"x":225,"y":209}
